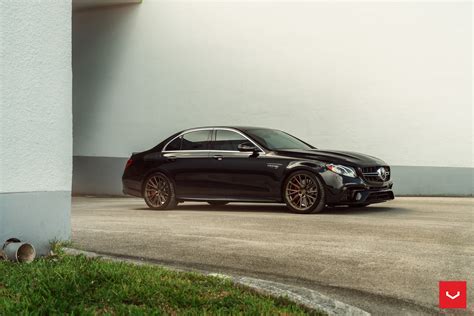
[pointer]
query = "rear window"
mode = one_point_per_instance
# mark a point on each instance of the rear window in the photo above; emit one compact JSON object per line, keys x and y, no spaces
{"x":175,"y":144}
{"x":197,"y":140}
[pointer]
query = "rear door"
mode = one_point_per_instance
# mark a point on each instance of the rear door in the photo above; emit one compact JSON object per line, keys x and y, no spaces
{"x":188,"y":163}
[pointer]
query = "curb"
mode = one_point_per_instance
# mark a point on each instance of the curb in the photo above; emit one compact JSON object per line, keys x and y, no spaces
{"x":301,"y":295}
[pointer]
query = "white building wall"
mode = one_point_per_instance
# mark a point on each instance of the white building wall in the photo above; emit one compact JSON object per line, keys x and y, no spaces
{"x":391,"y":79}
{"x":36,"y":120}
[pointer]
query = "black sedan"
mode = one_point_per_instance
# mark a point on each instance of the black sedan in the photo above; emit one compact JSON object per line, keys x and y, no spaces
{"x":251,"y":164}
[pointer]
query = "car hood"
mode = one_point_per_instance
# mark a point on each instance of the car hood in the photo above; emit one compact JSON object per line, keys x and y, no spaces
{"x":334,"y":156}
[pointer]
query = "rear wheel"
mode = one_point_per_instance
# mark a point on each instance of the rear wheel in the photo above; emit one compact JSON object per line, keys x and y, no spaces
{"x":217,"y":203}
{"x":304,"y":193}
{"x":159,"y":193}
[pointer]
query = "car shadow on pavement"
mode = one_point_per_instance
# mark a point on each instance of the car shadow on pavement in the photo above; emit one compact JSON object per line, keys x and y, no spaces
{"x":344,"y":210}
{"x":261,"y":208}
{"x":276,"y":208}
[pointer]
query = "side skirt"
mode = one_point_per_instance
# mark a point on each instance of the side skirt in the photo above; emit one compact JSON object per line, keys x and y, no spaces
{"x":227,"y":199}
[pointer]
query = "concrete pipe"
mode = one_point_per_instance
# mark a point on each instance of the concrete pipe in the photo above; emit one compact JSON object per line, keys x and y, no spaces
{"x":19,"y":251}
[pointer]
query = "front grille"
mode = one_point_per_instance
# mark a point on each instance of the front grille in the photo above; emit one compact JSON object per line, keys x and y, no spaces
{"x":371,"y":174}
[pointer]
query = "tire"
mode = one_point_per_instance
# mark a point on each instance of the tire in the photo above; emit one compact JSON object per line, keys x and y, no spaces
{"x":217,"y":203}
{"x":300,"y":189}
{"x":159,"y":192}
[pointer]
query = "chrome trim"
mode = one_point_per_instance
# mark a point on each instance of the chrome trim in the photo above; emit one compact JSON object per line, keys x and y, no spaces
{"x":210,"y":150}
{"x":374,"y":174}
{"x":207,"y":151}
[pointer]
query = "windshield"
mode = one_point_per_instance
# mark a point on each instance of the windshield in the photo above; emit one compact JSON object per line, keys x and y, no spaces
{"x":277,"y":140}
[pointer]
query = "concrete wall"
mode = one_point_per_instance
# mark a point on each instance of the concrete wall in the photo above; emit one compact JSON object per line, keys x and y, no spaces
{"x":391,"y":79}
{"x":36,"y":121}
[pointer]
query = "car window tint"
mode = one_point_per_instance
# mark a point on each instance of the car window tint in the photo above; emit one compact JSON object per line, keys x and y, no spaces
{"x":227,"y":140}
{"x":175,"y":144}
{"x":275,"y":139}
{"x":197,"y":140}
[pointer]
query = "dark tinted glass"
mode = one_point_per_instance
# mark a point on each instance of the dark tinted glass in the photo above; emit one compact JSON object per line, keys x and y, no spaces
{"x":275,"y":139}
{"x":174,"y":145}
{"x":195,"y":140}
{"x":227,"y":140}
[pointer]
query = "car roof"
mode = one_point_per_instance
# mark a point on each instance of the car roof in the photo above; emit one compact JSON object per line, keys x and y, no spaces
{"x":240,"y":128}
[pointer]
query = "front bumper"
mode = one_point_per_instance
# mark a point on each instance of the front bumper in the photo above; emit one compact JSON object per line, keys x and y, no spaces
{"x":342,"y":190}
{"x":368,"y":196}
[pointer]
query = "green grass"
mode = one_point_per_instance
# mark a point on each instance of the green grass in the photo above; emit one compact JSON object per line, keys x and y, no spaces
{"x":78,"y":285}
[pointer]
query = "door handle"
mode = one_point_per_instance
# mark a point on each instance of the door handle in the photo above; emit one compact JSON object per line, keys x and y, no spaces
{"x":218,"y":157}
{"x":170,"y":158}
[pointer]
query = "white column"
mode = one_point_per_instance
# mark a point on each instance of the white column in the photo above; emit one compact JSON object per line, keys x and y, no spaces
{"x":35,"y":121}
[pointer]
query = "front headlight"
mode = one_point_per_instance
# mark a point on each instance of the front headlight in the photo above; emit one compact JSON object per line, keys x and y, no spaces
{"x":342,"y":170}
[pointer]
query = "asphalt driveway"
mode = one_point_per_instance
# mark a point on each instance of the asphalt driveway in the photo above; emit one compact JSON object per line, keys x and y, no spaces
{"x":386,"y":258}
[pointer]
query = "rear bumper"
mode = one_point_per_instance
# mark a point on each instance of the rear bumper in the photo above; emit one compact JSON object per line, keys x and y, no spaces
{"x":131,"y":187}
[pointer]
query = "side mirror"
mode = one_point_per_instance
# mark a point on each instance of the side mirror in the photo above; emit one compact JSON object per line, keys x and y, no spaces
{"x":247,"y":147}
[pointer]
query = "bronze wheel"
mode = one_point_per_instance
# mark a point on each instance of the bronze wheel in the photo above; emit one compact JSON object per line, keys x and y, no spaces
{"x":304,"y":193}
{"x":158,"y":192}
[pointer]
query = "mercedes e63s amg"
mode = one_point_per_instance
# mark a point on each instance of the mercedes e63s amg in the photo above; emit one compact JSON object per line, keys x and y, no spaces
{"x":252,"y":164}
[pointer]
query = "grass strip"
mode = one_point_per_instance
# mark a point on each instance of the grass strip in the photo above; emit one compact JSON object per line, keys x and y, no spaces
{"x":83,"y":286}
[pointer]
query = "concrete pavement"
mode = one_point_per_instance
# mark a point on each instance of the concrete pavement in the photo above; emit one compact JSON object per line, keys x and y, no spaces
{"x":385,"y":259}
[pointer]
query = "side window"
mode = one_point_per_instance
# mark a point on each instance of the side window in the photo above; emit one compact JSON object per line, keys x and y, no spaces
{"x":197,"y":140}
{"x":227,"y":140}
{"x":175,"y":144}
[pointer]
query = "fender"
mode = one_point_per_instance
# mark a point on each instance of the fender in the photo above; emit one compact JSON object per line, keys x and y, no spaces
{"x":313,"y":166}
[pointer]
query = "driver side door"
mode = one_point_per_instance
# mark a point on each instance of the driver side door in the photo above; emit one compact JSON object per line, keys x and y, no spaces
{"x":238,"y":175}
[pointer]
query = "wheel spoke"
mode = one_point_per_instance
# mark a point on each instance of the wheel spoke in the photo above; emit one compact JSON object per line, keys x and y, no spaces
{"x":151,"y":185}
{"x":312,"y":189}
{"x":298,"y":200}
{"x":162,"y":184}
{"x":304,"y":202}
{"x":297,"y":182}
{"x":154,"y":199}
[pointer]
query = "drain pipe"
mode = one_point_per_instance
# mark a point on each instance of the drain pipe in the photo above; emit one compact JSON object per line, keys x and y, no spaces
{"x":18,"y":251}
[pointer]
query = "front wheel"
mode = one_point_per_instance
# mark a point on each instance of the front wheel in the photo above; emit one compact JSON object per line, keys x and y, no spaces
{"x":158,"y":192}
{"x":304,"y":193}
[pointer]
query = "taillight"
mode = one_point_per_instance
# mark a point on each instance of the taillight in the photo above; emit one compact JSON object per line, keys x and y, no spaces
{"x":129,"y":163}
